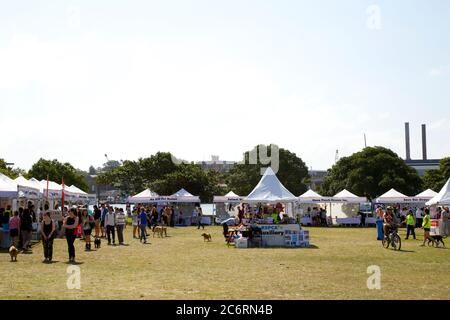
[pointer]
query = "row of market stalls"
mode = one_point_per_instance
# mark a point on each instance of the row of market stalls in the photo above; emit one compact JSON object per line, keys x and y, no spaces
{"x":342,"y":208}
{"x":20,"y":191}
{"x":184,"y":204}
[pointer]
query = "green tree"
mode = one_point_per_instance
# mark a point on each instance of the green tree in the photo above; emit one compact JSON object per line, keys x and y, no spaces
{"x":10,"y":172}
{"x":371,"y":172}
{"x":190,"y":177}
{"x":133,"y":176}
{"x":435,"y":179}
{"x":159,"y":173}
{"x":292,"y":172}
{"x":55,"y":171}
{"x":126,"y":177}
{"x":444,"y":167}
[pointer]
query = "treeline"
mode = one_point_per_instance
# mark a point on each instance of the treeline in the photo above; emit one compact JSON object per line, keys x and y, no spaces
{"x":369,"y":172}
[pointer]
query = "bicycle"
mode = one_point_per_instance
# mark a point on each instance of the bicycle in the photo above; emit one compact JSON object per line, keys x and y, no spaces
{"x":392,"y":239}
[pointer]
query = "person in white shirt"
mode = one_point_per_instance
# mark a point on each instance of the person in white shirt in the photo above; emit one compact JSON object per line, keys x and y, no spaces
{"x":110,"y":222}
{"x":419,"y":217}
{"x":120,"y":225}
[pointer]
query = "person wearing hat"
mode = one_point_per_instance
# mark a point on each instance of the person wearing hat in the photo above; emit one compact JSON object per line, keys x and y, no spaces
{"x":410,"y":224}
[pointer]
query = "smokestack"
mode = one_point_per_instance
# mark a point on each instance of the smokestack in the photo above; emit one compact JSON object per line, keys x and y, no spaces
{"x":424,"y":142}
{"x":408,"y":151}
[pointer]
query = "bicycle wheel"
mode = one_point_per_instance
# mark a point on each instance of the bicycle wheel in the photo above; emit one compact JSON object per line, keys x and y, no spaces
{"x":396,"y":242}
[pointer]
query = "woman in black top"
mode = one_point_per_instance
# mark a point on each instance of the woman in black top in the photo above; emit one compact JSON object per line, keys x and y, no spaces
{"x":48,"y":230}
{"x":26,"y":227}
{"x":70,"y":225}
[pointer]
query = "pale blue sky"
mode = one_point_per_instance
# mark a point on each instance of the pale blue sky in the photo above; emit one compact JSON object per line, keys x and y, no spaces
{"x":79,"y":79}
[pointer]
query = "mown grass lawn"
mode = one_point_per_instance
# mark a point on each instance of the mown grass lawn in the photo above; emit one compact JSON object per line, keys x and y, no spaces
{"x":182,"y":266}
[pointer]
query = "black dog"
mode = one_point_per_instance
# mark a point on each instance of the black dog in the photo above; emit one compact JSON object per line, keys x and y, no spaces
{"x":97,"y":243}
{"x":435,"y":240}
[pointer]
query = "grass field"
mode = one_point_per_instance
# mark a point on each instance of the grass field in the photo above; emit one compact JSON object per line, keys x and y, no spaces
{"x":182,"y":266}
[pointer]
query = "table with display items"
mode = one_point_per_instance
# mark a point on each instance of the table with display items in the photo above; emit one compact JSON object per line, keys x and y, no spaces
{"x":268,"y":235}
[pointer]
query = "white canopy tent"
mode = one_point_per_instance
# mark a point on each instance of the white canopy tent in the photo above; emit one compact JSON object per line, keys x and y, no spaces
{"x":311,"y":196}
{"x":347,"y":197}
{"x":270,"y":190}
{"x":8,"y":187}
{"x":230,"y":197}
{"x":183,"y":196}
{"x":148,"y":195}
{"x":54,"y":189}
{"x":224,"y":206}
{"x":37,"y":184}
{"x":427,"y":194}
{"x":145,"y":196}
{"x":392,"y":196}
{"x":443,"y":197}
{"x":27,"y":189}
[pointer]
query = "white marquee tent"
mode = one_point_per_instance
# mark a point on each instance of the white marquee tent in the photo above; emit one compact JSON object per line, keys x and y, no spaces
{"x":443,"y":197}
{"x":311,"y":196}
{"x":230,"y":197}
{"x":347,"y":197}
{"x":392,"y":196}
{"x":144,"y":197}
{"x":270,"y":190}
{"x":27,"y":189}
{"x":8,"y":187}
{"x":427,"y":194}
{"x":183,"y":196}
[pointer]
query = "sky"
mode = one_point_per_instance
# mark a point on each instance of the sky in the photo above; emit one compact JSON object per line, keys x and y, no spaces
{"x":81,"y":79}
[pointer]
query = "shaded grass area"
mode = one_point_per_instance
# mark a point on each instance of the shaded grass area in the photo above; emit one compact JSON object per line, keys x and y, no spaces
{"x":183,"y":266}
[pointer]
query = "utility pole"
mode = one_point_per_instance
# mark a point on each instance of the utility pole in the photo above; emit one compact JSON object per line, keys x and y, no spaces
{"x":365,"y":141}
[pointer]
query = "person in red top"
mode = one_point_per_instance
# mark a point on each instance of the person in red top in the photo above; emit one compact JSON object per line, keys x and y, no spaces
{"x":14,"y":228}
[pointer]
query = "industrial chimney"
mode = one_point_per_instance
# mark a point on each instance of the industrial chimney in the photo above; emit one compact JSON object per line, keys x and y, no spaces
{"x":408,"y":151}
{"x":424,"y":142}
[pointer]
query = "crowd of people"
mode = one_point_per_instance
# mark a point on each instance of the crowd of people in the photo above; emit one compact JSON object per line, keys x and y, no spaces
{"x":419,"y":218}
{"x":318,"y":216}
{"x":104,"y":221}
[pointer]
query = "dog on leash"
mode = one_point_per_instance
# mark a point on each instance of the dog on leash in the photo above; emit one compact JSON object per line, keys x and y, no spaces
{"x":97,"y":243}
{"x":161,"y":231}
{"x":206,"y":237}
{"x":435,"y":241}
{"x":13,"y":252}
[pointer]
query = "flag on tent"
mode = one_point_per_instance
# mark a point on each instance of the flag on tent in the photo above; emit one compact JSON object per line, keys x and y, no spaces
{"x":62,"y":193}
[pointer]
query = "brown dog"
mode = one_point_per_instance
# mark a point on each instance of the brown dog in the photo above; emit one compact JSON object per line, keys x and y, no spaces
{"x":161,"y":231}
{"x":13,"y":253}
{"x":206,"y":237}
